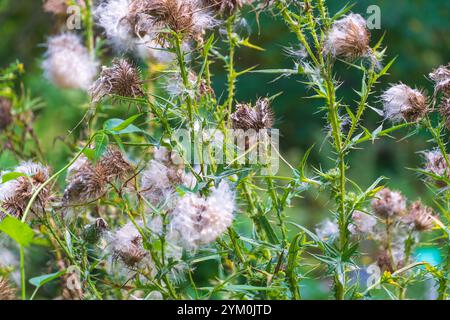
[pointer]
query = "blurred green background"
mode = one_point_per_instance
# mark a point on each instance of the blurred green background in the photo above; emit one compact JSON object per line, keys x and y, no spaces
{"x":416,"y":32}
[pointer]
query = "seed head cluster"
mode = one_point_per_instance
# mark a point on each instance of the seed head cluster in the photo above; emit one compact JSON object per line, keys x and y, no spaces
{"x":348,"y":38}
{"x":198,"y":220}
{"x":67,"y":62}
{"x":388,"y":203}
{"x":87,"y":181}
{"x":404,"y":103}
{"x":15,"y":194}
{"x":122,"y":79}
{"x":258,"y":117}
{"x":6,"y":291}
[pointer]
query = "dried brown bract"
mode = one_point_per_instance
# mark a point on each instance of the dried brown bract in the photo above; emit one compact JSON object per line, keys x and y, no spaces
{"x":6,"y":291}
{"x":5,"y":113}
{"x":420,"y":217}
{"x":87,"y":181}
{"x":122,"y":79}
{"x":258,"y":117}
{"x":402,"y":102}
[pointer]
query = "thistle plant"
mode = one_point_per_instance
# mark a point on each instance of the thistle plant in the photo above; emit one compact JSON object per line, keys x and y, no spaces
{"x":179,"y":198}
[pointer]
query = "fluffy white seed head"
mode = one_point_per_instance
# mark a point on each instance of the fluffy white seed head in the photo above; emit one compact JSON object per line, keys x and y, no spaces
{"x":67,"y":62}
{"x":199,"y":221}
{"x":401,"y":102}
{"x":327,"y":229}
{"x":362,"y":223}
{"x":348,"y":38}
{"x":111,"y":15}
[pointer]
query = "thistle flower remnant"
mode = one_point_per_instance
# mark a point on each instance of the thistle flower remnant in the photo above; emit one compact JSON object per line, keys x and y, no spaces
{"x":420,"y":217}
{"x":126,"y":245}
{"x":436,"y":165}
{"x":403,"y":103}
{"x":121,"y":79}
{"x":441,"y":78}
{"x":87,"y":182}
{"x":362,"y":223}
{"x":186,"y":17}
{"x":5,"y":113}
{"x":161,"y":176}
{"x":327,"y":229}
{"x":6,"y":291}
{"x":67,"y":62}
{"x":198,"y":221}
{"x":348,"y":38}
{"x":93,"y":232}
{"x":388,"y":203}
{"x":247,"y":117}
{"x":15,"y":194}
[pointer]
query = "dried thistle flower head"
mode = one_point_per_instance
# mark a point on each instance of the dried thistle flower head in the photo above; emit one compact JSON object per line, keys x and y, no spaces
{"x":420,"y":217}
{"x":122,"y":79}
{"x":175,"y":86}
{"x":247,"y":117}
{"x":436,"y":164}
{"x":362,"y":223}
{"x":186,"y":17}
{"x":87,"y":182}
{"x":441,"y":78}
{"x":15,"y":194}
{"x":126,"y":245}
{"x":6,"y":291}
{"x":401,"y":102}
{"x":68,"y":63}
{"x":197,"y":220}
{"x":388,"y":203}
{"x":162,"y":175}
{"x":5,"y":113}
{"x":348,"y":38}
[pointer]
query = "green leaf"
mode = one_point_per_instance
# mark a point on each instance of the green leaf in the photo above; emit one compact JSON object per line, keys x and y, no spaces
{"x":41,"y":280}
{"x":18,"y":231}
{"x":119,"y":126}
{"x":101,"y":143}
{"x":11,"y":176}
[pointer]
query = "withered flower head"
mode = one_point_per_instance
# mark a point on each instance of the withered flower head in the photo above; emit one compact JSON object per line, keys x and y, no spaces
{"x":127,"y":245}
{"x":388,"y":203}
{"x":5,"y":113}
{"x":15,"y":194}
{"x":87,"y":181}
{"x":122,"y":79}
{"x":436,"y":164}
{"x":247,"y":117}
{"x":348,"y":38}
{"x":402,"y":102}
{"x":186,"y":17}
{"x":93,"y":232}
{"x":441,"y":78}
{"x":6,"y":291}
{"x":420,"y":217}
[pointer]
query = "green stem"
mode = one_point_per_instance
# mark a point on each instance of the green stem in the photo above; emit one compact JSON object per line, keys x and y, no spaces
{"x":22,"y":272}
